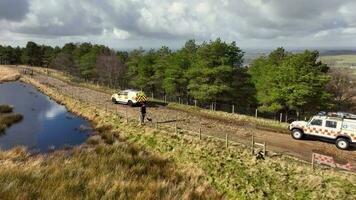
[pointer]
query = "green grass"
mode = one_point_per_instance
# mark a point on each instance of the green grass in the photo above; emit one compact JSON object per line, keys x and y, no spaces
{"x":144,"y":163}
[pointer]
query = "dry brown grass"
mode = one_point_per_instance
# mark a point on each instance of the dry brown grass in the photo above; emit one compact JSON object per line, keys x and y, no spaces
{"x":7,"y":118}
{"x":8,"y":73}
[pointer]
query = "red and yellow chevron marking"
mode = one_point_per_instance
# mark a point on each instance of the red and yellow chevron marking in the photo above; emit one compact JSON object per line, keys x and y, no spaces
{"x":329,"y":161}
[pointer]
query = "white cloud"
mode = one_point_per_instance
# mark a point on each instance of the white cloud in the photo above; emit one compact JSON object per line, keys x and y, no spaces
{"x":157,"y":22}
{"x":121,"y":34}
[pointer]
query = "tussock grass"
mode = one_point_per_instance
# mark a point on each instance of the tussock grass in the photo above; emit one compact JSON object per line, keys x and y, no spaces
{"x":5,"y":109}
{"x":105,"y":171}
{"x":232,"y":171}
{"x":260,"y":123}
{"x":7,"y":118}
{"x":8,"y":73}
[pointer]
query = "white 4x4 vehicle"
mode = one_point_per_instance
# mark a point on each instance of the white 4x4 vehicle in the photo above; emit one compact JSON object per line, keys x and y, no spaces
{"x":129,"y":97}
{"x":339,"y":127}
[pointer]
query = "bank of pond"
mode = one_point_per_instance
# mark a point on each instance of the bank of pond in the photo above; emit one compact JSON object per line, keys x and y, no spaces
{"x":31,"y":119}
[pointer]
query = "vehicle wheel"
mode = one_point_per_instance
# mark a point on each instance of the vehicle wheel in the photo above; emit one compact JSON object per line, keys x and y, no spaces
{"x":114,"y":100}
{"x":297,"y":134}
{"x":342,"y":143}
{"x":129,"y":103}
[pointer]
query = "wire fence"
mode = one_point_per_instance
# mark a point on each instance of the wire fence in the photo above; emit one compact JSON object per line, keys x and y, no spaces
{"x":229,"y":108}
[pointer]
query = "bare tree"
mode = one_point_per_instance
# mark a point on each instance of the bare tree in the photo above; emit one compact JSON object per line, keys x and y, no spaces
{"x":111,"y":70}
{"x":343,"y":87}
{"x":63,"y":61}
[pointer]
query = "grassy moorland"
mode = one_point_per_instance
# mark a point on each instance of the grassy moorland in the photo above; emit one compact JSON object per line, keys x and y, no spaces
{"x":345,"y":61}
{"x":125,"y":161}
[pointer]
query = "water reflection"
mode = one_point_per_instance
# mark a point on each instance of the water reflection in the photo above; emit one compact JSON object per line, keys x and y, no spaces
{"x":45,"y":124}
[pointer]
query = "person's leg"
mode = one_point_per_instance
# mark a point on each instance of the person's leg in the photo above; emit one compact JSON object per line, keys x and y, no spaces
{"x":141,"y":118}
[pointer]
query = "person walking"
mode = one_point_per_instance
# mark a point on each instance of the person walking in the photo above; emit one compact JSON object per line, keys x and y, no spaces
{"x":143,"y":112}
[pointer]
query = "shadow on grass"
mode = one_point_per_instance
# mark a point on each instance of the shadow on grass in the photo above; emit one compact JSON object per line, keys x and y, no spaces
{"x":122,"y":171}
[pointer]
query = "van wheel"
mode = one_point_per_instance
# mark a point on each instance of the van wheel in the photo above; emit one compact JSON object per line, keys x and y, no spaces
{"x":129,"y":103}
{"x":342,"y":143}
{"x":114,"y":100}
{"x":297,"y":134}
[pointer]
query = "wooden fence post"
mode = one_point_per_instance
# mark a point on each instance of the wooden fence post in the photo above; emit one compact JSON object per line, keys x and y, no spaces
{"x":264,"y":149}
{"x":233,"y":109}
{"x":280,"y":117}
{"x":227,"y":140}
{"x":195,"y":103}
{"x":313,"y":161}
{"x":175,"y":128}
{"x":253,"y":143}
{"x":256,"y":113}
{"x":200,"y":133}
{"x":126,"y":116}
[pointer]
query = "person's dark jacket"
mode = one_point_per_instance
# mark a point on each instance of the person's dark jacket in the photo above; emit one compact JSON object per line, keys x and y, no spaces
{"x":143,"y":109}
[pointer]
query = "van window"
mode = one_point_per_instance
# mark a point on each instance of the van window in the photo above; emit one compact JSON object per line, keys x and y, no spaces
{"x":331,"y":124}
{"x":349,"y":126}
{"x":316,"y":122}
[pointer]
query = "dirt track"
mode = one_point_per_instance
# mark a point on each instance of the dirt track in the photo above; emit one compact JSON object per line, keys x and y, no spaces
{"x":281,"y":143}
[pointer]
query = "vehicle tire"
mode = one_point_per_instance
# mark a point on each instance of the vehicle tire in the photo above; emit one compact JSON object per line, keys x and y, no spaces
{"x":114,"y":100}
{"x":129,"y":103}
{"x":342,"y":143}
{"x":297,"y":134}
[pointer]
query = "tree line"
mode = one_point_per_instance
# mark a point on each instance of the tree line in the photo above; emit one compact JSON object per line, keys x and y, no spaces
{"x":211,"y":71}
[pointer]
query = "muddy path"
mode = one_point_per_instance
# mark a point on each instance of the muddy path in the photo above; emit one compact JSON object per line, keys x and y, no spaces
{"x":276,"y":142}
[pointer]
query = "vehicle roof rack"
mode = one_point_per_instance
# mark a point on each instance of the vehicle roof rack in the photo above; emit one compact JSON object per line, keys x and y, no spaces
{"x":343,"y":115}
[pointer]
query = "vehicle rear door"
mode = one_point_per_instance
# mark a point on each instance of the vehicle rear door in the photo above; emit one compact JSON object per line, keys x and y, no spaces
{"x":331,"y":128}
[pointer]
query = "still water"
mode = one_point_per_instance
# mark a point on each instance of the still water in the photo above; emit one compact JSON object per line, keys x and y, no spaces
{"x":46,"y":125}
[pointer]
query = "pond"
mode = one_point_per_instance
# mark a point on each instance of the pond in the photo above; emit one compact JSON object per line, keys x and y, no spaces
{"x":46,"y":124}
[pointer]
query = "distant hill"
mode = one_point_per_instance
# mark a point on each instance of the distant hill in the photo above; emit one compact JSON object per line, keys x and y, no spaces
{"x":341,"y":61}
{"x":337,"y":52}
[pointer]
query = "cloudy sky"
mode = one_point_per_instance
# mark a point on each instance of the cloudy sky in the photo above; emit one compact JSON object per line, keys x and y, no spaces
{"x":127,"y":24}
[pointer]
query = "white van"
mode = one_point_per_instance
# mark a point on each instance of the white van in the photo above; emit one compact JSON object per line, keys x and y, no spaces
{"x":128,"y":97}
